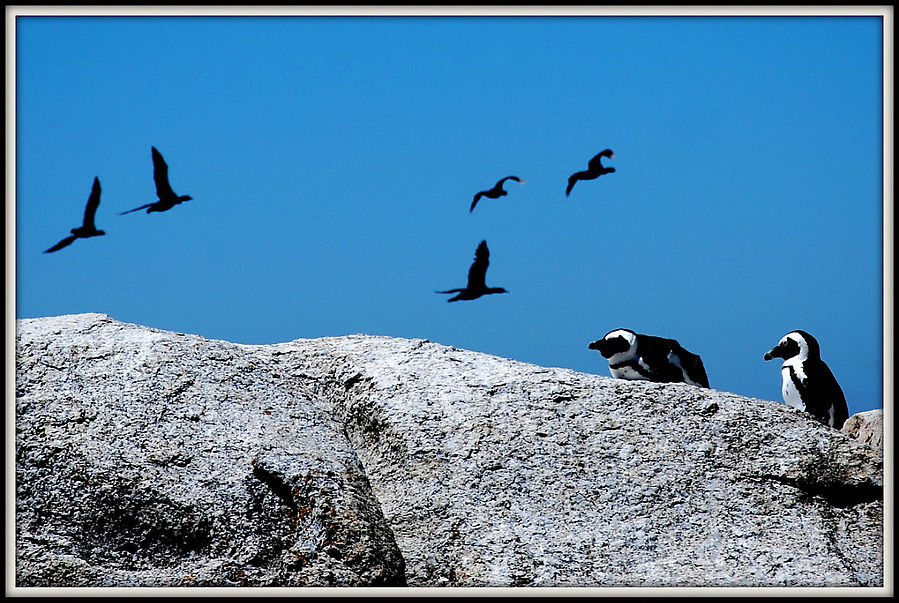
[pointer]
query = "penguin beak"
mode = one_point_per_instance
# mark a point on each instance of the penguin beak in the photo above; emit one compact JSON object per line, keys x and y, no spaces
{"x":772,"y":353}
{"x":600,"y":346}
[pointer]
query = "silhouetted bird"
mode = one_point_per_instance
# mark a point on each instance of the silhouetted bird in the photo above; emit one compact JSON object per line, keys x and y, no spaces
{"x":167,"y":197}
{"x":477,"y":276}
{"x":87,"y":228}
{"x":495,"y":192}
{"x":595,"y":169}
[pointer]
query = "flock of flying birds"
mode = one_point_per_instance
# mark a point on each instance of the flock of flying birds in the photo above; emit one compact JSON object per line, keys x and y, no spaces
{"x":808,"y":383}
{"x":477,"y":274}
{"x":167,"y":199}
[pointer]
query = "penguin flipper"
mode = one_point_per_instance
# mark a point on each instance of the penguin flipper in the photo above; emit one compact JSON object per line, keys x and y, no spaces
{"x":824,"y":392}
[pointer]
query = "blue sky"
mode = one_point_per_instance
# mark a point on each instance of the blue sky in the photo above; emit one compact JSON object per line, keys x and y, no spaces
{"x":332,"y":161}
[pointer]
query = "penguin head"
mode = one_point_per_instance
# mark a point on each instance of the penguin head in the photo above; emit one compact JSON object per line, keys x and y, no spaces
{"x":619,"y":341}
{"x":795,"y":344}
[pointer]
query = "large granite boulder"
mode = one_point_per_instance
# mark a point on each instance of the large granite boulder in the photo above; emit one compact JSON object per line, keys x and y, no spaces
{"x":866,"y":427}
{"x":152,"y":458}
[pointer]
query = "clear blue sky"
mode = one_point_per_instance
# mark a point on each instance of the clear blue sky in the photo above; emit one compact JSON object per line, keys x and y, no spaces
{"x":332,"y":161}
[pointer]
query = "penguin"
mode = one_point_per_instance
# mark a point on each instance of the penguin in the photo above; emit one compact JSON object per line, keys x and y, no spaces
{"x":648,"y":358}
{"x":808,"y":383}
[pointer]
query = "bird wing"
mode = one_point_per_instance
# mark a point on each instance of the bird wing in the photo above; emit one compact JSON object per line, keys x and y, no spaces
{"x":161,"y":176}
{"x":451,"y":291}
{"x":64,"y":243}
{"x":91,"y":208}
{"x":477,"y":274}
{"x":571,"y":180}
{"x":135,"y":209}
{"x":475,"y":201}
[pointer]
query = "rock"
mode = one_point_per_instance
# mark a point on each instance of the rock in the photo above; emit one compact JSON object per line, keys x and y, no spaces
{"x":866,"y":427}
{"x":151,"y":458}
{"x":147,"y":458}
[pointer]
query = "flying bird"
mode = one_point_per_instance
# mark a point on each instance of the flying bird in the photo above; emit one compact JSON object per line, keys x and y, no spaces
{"x":87,"y":228}
{"x":595,"y":169}
{"x":808,"y":383}
{"x":495,"y":192}
{"x":167,"y":197}
{"x":477,"y":276}
{"x":640,"y":357}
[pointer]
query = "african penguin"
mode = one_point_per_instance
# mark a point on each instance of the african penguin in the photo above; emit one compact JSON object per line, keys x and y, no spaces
{"x":808,"y":383}
{"x":649,"y":358}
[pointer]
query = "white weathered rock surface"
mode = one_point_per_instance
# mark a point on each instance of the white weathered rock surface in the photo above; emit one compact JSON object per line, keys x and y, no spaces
{"x":866,"y":427}
{"x":146,"y":457}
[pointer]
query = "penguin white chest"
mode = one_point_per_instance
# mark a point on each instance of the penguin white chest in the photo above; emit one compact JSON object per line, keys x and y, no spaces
{"x":791,"y":395}
{"x":621,"y":366}
{"x":627,"y":372}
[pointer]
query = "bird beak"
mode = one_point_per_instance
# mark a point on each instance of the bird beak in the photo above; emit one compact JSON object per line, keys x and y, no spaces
{"x":772,"y":353}
{"x":595,"y":345}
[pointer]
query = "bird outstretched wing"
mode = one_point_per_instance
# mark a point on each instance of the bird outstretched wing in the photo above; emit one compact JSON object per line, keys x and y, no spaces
{"x":161,"y":176}
{"x":93,"y":202}
{"x":571,"y":180}
{"x":477,"y":274}
{"x":475,"y":201}
{"x":64,"y":243}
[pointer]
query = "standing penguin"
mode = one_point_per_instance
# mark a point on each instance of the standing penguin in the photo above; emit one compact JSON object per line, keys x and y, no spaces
{"x":649,"y":358}
{"x":808,"y":383}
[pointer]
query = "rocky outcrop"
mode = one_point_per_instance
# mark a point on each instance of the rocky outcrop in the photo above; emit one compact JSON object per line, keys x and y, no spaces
{"x":152,"y":458}
{"x":866,"y":427}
